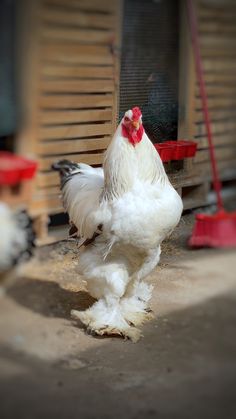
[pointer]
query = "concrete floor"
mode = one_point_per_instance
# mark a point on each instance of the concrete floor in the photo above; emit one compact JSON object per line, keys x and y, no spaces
{"x":183,"y":367}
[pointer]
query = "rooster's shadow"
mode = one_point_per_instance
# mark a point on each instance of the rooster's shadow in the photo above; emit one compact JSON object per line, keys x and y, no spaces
{"x":48,"y":298}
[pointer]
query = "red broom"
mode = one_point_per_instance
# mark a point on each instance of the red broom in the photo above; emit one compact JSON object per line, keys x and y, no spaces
{"x":219,"y":229}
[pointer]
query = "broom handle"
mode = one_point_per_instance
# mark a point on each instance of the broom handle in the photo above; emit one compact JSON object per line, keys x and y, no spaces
{"x":199,"y":69}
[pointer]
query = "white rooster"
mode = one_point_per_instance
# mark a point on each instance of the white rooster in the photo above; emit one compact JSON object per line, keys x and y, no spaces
{"x":123,"y":212}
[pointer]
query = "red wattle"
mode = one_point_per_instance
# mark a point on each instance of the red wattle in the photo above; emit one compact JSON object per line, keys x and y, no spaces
{"x":134,"y":136}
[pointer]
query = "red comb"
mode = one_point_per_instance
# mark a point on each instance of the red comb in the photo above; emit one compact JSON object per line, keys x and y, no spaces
{"x":136,"y":113}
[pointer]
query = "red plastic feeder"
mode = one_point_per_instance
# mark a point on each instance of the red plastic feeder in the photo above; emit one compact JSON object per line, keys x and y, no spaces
{"x":14,"y":169}
{"x":176,"y":150}
{"x":191,"y":148}
{"x":185,"y":149}
{"x":166,"y":151}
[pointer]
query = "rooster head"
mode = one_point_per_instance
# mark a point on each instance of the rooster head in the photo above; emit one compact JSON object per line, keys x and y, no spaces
{"x":132,"y":127}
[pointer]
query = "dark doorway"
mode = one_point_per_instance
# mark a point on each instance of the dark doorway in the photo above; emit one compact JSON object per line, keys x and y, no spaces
{"x":149,"y":64}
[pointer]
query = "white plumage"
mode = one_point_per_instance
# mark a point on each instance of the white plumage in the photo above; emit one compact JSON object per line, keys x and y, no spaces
{"x":129,"y":207}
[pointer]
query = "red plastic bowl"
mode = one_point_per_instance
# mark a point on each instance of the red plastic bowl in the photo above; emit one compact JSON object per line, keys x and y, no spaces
{"x":14,"y":169}
{"x":29,"y":171}
{"x":165,"y":150}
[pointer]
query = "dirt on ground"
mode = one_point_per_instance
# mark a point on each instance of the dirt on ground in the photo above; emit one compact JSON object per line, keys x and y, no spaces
{"x":183,"y":367}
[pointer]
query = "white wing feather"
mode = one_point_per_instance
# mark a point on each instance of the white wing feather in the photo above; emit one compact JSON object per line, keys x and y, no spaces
{"x":81,"y":196}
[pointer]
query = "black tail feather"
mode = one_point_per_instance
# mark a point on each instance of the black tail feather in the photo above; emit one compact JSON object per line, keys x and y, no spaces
{"x":66,"y":169}
{"x":65,"y":166}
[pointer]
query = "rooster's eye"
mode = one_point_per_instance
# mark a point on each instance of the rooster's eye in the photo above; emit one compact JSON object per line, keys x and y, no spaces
{"x":126,"y":118}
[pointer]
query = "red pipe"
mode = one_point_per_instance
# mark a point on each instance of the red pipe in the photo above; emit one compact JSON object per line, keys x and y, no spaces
{"x":199,"y":70}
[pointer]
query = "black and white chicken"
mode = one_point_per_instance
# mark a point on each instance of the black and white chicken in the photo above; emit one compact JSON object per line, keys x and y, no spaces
{"x":16,"y":238}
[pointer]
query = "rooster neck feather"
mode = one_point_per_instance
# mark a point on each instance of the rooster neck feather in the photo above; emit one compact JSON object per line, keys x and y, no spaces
{"x":124,"y":164}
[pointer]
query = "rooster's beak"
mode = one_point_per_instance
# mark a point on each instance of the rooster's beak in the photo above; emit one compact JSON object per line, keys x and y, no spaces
{"x":135,"y":124}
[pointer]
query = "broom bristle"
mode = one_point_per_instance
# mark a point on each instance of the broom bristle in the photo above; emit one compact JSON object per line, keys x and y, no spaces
{"x":217,"y":230}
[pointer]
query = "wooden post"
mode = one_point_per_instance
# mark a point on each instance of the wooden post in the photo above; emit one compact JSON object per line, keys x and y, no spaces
{"x":187,"y":78}
{"x":117,"y":58}
{"x":41,"y":228}
{"x":29,"y":75}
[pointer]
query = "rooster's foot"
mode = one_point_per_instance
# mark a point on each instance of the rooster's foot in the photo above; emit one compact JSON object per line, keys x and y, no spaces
{"x":101,"y":329}
{"x":131,"y":333}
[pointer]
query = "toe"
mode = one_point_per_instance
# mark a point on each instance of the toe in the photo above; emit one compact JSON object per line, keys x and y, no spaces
{"x":133,"y":334}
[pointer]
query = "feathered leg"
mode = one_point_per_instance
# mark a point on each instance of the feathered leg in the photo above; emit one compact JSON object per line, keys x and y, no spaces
{"x":105,"y":318}
{"x":134,"y":304}
{"x":106,"y":281}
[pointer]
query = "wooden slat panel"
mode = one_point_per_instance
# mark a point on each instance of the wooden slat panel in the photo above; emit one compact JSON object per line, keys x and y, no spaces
{"x":213,"y":3}
{"x":74,"y":131}
{"x":226,"y":168}
{"x":220,"y":78}
{"x":215,"y":53}
{"x":215,"y":27}
{"x":217,"y":102}
{"x":217,"y":12}
{"x":218,"y":91}
{"x":47,"y":179}
{"x":76,"y":60}
{"x":72,"y":146}
{"x":46,"y":205}
{"x":218,"y":140}
{"x":86,"y":72}
{"x":98,"y":5}
{"x":75,"y":101}
{"x":78,"y":35}
{"x":217,"y":127}
{"x":217,"y":41}
{"x":223,"y":153}
{"x":77,"y":86}
{"x":217,"y":38}
{"x":217,"y":114}
{"x":227,"y":65}
{"x":77,"y":18}
{"x":87,"y":54}
{"x":46,"y":162}
{"x":49,"y":192}
{"x":63,"y":117}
